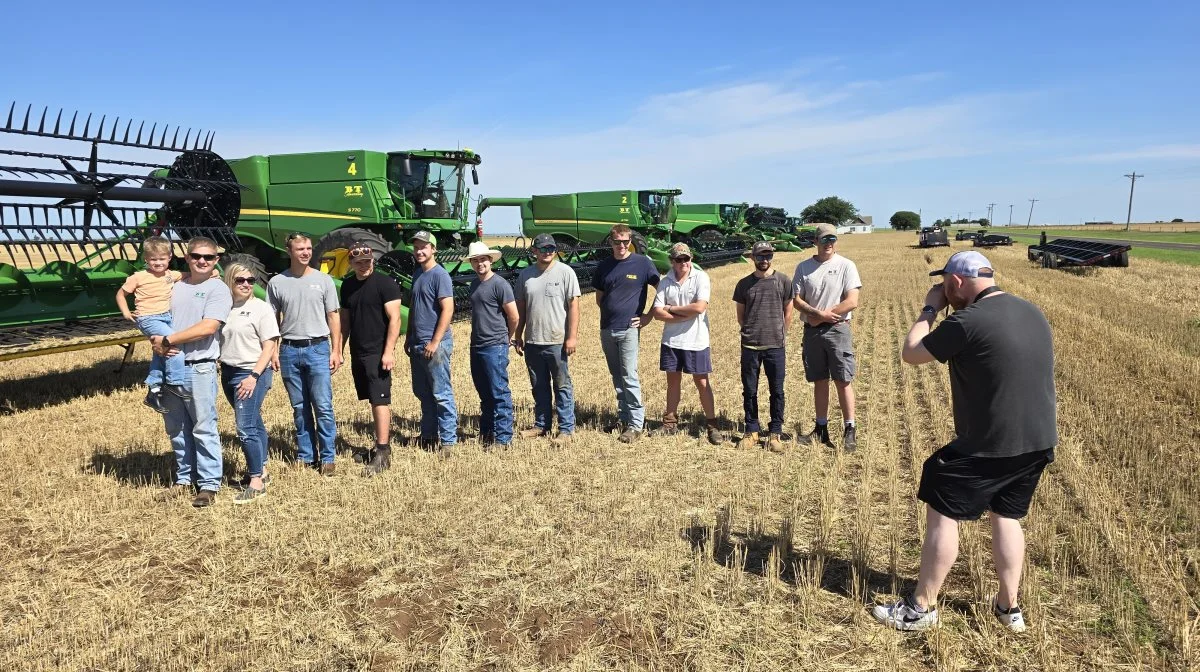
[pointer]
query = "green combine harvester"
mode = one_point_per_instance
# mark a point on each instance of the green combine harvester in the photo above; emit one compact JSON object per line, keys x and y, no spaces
{"x":714,"y":231}
{"x":75,"y":233}
{"x":580,"y":224}
{"x":774,"y":224}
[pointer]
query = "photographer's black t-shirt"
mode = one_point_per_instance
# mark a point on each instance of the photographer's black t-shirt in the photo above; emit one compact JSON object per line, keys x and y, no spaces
{"x":1001,"y":376}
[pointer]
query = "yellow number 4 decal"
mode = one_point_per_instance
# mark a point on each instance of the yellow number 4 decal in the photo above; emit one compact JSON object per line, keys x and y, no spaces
{"x":353,"y":169}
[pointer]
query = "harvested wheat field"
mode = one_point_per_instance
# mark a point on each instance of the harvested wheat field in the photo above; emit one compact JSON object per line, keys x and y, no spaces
{"x":660,"y":555}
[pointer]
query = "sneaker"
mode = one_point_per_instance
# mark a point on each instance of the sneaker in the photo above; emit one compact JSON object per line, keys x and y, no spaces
{"x":715,"y":436}
{"x":819,"y":434}
{"x":204,"y":498}
{"x":849,"y":442}
{"x":155,"y":401}
{"x":902,"y":615}
{"x":245,"y":482}
{"x":749,"y":440}
{"x":563,"y":440}
{"x":1011,"y":618}
{"x":249,"y":495}
{"x":534,"y":433}
{"x":328,"y":469}
{"x":630,"y":435}
{"x":172,"y":492}
{"x":775,"y":443}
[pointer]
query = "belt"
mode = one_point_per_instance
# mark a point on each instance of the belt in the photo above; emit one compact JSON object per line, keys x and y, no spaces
{"x":193,"y":362}
{"x":825,"y":325}
{"x":304,"y":342}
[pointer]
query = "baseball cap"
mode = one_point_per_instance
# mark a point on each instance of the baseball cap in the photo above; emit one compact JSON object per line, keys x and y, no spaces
{"x":425,"y":237}
{"x":544,"y":240}
{"x":968,"y":264}
{"x":679,"y":250}
{"x":761,"y":247}
{"x":826,"y":230}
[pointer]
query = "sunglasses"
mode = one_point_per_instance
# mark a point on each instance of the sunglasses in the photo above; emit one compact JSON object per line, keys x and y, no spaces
{"x":205,"y":257}
{"x":764,"y":257}
{"x":360,"y":252}
{"x":243,"y":281}
{"x":547,"y":248}
{"x":681,"y":260}
{"x":829,"y":239}
{"x":623,"y":243}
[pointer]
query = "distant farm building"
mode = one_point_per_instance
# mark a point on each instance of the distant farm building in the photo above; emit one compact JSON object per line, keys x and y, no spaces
{"x":861,"y":224}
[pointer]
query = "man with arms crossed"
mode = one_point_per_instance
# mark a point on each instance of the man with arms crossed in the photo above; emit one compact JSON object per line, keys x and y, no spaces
{"x":682,"y":302}
{"x":429,"y":344}
{"x":547,"y":332}
{"x":621,"y":282}
{"x":310,"y":349}
{"x":200,"y":304}
{"x":370,"y":321}
{"x":493,"y":325}
{"x":826,"y":287}
{"x":1002,"y":388}
{"x":764,"y":313}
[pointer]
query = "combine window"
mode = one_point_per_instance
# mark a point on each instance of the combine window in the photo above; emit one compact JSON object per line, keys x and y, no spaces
{"x":430,"y":191}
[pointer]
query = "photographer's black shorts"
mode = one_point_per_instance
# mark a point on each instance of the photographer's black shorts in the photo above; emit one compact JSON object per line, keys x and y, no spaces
{"x":962,"y":486}
{"x":371,"y":382}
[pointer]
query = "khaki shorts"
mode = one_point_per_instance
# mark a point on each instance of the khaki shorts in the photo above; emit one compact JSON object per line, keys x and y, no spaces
{"x":828,"y":353}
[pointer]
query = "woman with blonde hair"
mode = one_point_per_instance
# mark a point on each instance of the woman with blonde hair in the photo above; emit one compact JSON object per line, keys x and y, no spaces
{"x":249,"y":340}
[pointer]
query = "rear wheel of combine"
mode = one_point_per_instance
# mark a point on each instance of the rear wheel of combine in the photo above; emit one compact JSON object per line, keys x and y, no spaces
{"x":251,"y":262}
{"x":331,"y":254}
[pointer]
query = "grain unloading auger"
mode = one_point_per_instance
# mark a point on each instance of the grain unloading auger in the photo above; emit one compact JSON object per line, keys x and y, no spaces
{"x":72,"y":222}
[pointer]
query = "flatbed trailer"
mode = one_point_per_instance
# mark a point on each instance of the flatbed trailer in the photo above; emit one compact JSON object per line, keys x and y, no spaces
{"x":1072,"y":252}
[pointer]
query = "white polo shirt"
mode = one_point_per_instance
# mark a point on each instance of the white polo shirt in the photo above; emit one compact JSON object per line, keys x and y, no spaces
{"x":686,"y":334}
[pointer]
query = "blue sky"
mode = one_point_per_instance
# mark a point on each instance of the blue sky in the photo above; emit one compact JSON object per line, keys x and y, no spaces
{"x":939,"y":107}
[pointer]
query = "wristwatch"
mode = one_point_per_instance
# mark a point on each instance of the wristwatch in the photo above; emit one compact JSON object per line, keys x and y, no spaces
{"x":254,"y":374}
{"x":929,"y":309}
{"x":166,"y":342}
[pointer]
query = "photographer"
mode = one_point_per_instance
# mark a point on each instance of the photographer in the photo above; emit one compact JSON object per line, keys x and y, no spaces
{"x":1001,"y":360}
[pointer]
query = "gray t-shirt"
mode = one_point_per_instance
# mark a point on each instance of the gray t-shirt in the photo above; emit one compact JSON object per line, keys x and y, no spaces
{"x":766,"y":301}
{"x":245,"y":330}
{"x":1001,"y":356}
{"x":823,"y":285}
{"x":304,"y":302}
{"x":489,"y":326}
{"x":428,"y":290}
{"x":190,"y":304}
{"x":547,"y":296}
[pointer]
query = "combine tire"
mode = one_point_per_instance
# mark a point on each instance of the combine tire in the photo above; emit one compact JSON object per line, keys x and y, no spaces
{"x":331,"y":252}
{"x":249,"y":261}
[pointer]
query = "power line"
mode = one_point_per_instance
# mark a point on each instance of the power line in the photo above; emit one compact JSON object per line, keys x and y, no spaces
{"x":1133,"y":177}
{"x":1031,"y":202}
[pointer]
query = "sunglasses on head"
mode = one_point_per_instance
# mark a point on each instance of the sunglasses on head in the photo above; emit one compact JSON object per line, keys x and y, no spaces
{"x":243,"y":281}
{"x":360,"y":252}
{"x":828,"y":239}
{"x":681,"y":260}
{"x":205,"y":257}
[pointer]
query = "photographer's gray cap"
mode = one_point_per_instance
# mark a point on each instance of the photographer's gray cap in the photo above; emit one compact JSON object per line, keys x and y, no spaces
{"x":968,"y":264}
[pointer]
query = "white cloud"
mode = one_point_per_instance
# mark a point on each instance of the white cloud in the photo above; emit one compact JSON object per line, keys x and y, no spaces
{"x":1150,"y":152}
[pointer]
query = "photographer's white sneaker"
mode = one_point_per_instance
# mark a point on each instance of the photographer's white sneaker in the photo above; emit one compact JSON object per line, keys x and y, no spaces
{"x":1011,"y":618}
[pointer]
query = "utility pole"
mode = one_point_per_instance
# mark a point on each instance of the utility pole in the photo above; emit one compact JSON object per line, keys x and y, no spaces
{"x":990,"y":206}
{"x":1031,"y":202}
{"x":1133,"y":176}
{"x":1010,"y":207}
{"x":969,"y":213}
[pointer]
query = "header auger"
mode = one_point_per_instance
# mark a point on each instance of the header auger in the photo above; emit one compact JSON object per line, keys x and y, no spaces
{"x":71,"y":222}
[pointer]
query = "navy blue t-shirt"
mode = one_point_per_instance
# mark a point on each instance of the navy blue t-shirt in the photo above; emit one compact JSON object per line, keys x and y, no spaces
{"x":428,"y":289}
{"x":624,"y":285}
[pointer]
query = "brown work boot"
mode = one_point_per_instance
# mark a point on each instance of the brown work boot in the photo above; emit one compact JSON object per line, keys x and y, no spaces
{"x":380,"y":462}
{"x":204,"y":498}
{"x":328,"y":469}
{"x":775,"y":443}
{"x":629,"y":436}
{"x":172,"y":492}
{"x":534,"y":433}
{"x":749,"y":440}
{"x":563,"y":440}
{"x":670,"y":425}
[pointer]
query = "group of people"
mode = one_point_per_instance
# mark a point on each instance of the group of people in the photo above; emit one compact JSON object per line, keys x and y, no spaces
{"x":1004,"y":414}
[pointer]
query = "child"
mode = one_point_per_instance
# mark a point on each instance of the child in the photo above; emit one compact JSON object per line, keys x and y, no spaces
{"x":151,"y":290}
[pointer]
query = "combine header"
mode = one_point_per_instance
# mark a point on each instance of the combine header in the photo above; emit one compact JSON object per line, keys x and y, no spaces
{"x":1070,"y":252}
{"x":773,"y":224}
{"x":713,"y":231}
{"x":72,"y":222}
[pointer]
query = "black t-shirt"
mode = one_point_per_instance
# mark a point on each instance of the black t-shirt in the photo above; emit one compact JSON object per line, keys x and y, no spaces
{"x":624,"y":285}
{"x":368,"y":320}
{"x":766,"y":301}
{"x":1001,"y":376}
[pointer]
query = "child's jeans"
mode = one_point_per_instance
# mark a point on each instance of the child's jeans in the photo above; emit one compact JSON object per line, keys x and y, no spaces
{"x":170,"y":368}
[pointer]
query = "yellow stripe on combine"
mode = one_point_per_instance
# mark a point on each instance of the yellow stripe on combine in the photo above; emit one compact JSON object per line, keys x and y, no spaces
{"x":297,"y":213}
{"x":538,"y":222}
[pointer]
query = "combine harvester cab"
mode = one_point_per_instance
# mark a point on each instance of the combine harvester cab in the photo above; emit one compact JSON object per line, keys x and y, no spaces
{"x":339,"y":197}
{"x":713,"y":231}
{"x":72,"y":221}
{"x":580,"y":224}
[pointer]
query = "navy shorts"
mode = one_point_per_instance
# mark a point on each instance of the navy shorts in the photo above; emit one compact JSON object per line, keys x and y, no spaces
{"x":962,"y":486}
{"x":674,"y":360}
{"x":371,"y":382}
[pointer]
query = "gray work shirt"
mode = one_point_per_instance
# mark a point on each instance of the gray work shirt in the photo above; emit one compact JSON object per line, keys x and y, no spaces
{"x":547,"y":296}
{"x":191,"y":304}
{"x":304,"y":302}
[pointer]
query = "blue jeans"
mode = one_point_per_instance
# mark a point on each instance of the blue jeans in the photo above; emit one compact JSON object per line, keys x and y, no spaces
{"x":306,"y":377}
{"x":247,"y":414}
{"x":191,"y":422}
{"x":170,"y":367}
{"x":621,"y":352}
{"x":551,"y":381}
{"x":489,"y":371}
{"x":431,"y":385}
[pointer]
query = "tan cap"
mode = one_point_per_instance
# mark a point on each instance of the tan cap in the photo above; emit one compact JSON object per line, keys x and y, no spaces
{"x":679,"y":250}
{"x":826,"y":230}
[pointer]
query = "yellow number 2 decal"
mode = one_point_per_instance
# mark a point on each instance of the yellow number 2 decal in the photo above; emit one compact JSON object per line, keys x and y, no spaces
{"x":353,"y":169}
{"x":624,"y":199}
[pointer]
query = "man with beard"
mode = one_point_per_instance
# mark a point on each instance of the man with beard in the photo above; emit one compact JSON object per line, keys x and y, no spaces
{"x":764,"y":313}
